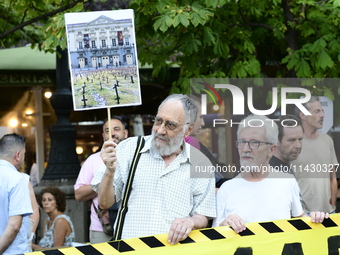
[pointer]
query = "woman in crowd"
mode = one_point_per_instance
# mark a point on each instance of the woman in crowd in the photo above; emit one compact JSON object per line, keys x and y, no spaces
{"x":58,"y":230}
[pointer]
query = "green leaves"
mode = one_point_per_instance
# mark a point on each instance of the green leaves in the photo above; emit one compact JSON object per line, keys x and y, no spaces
{"x":191,"y":44}
{"x":221,"y":48}
{"x":208,"y":36}
{"x":239,"y":39}
{"x":181,"y":18}
{"x":303,"y":69}
{"x":249,"y":46}
{"x":163,"y":23}
{"x":328,"y":93}
{"x":324,"y":60}
{"x":246,"y":68}
{"x":292,"y":60}
{"x":33,"y":22}
{"x":336,"y":3}
{"x":196,"y":19}
{"x":172,"y":15}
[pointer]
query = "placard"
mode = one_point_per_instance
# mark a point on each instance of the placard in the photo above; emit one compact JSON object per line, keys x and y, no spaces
{"x":103,"y":59}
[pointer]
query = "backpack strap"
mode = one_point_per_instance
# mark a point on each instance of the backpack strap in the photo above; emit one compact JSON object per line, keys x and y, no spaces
{"x":124,"y":209}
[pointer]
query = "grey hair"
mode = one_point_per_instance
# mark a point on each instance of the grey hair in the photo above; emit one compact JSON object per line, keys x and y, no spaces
{"x":311,"y":100}
{"x":189,"y":106}
{"x":270,"y":127}
{"x":10,"y":144}
{"x":198,"y":103}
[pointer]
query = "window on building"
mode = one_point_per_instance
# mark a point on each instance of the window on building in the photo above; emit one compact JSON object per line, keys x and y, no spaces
{"x":120,"y":38}
{"x":103,"y":43}
{"x":127,"y":42}
{"x":86,"y":41}
{"x":80,"y":45}
{"x":93,"y":44}
{"x":114,"y":43}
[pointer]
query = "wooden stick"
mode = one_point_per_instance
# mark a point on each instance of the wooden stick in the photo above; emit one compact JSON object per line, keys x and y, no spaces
{"x":109,"y":122}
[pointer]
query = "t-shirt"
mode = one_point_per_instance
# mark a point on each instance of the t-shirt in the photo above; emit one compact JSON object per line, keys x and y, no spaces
{"x":273,"y":198}
{"x":279,"y":165}
{"x":311,"y":170}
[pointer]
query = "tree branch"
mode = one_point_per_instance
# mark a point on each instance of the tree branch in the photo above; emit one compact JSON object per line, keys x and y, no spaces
{"x":8,"y":11}
{"x":321,"y":2}
{"x":51,"y":13}
{"x":23,"y":17}
{"x":253,"y":24}
{"x":291,"y":34}
{"x":305,"y":10}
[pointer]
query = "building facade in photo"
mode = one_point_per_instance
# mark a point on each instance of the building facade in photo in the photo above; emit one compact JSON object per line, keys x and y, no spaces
{"x":103,"y":42}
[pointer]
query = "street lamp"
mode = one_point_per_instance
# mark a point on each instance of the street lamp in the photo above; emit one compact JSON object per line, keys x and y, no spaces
{"x":48,"y":94}
{"x":13,"y":123}
{"x":79,"y":150}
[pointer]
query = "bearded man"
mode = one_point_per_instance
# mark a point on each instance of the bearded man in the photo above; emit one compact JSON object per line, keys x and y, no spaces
{"x":165,"y":196}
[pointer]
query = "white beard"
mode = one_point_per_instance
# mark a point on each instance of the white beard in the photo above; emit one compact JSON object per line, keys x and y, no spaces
{"x":171,"y":145}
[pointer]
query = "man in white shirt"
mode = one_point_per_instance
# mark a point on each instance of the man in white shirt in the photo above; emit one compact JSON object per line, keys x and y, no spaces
{"x":14,"y":197}
{"x":258,"y":193}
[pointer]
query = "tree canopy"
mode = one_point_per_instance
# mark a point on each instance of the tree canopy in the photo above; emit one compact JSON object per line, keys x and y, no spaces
{"x":206,"y":38}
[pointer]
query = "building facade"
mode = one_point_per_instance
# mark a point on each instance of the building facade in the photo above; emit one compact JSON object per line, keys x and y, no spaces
{"x":103,"y":42}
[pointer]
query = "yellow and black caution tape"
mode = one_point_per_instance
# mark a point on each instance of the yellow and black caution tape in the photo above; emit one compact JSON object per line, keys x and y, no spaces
{"x":290,"y":237}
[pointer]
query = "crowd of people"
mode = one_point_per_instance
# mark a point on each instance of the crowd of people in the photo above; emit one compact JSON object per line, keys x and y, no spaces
{"x":157,"y":189}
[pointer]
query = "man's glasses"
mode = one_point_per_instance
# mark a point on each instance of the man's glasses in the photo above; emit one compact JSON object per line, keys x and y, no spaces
{"x":169,"y":125}
{"x":253,"y":144}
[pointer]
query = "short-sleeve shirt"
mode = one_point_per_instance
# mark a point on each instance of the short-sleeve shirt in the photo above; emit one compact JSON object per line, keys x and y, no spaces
{"x":266,"y":200}
{"x":161,"y":194}
{"x":15,"y":200}
{"x":86,"y":174}
{"x":311,"y":170}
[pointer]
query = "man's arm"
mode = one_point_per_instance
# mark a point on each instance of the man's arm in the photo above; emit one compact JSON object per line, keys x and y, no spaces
{"x":106,"y":192}
{"x":11,"y":231}
{"x":334,"y":187}
{"x":84,"y":193}
{"x":36,"y":213}
{"x":181,"y":227}
{"x":82,"y":189}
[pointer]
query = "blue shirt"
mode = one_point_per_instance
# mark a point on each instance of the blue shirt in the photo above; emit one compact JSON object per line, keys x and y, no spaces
{"x":14,"y":200}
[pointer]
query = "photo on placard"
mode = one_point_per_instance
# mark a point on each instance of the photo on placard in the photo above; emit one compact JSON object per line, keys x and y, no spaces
{"x":103,"y":59}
